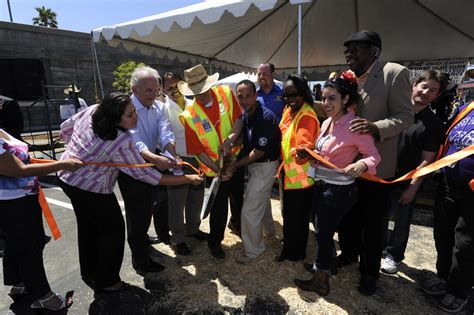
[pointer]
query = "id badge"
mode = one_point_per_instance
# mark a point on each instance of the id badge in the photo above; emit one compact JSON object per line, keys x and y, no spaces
{"x":206,"y":125}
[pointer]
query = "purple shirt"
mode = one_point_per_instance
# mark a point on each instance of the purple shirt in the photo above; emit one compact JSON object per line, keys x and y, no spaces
{"x":85,"y":145}
{"x":342,"y":146}
{"x":460,"y":137}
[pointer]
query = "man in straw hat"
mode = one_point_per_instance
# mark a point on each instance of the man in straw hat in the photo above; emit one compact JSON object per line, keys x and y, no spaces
{"x":73,"y":103}
{"x":207,"y":123}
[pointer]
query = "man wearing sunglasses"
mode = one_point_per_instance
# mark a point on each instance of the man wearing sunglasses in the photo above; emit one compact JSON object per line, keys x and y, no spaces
{"x":384,"y":111}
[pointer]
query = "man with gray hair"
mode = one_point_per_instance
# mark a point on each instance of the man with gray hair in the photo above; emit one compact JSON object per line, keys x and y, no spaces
{"x":153,"y":130}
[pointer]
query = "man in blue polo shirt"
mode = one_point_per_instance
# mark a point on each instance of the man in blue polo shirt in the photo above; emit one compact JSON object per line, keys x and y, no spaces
{"x":269,"y":94}
{"x":261,"y":138}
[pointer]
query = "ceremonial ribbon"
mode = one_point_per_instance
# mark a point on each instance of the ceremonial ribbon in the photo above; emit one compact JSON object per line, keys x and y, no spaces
{"x":445,"y":161}
{"x":48,"y":214}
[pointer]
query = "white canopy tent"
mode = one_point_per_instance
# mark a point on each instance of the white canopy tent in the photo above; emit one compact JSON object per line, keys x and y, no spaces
{"x":236,"y":78}
{"x":240,"y":34}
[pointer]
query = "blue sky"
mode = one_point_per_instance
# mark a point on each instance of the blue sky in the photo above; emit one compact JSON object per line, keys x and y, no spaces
{"x":85,"y":15}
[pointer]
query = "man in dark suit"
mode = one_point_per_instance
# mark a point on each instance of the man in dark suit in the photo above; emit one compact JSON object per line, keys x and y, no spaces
{"x":385,"y":110}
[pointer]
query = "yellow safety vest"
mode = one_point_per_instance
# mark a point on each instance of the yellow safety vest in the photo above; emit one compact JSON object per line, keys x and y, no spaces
{"x":198,"y":121}
{"x":296,"y":175}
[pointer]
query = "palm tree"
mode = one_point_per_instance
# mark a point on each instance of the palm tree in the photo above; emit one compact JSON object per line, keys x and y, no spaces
{"x":46,"y":17}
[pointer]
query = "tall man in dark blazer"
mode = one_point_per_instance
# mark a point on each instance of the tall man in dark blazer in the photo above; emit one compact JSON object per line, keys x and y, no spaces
{"x":385,"y":110}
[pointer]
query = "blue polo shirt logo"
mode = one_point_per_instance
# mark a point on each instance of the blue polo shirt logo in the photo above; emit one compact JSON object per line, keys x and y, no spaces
{"x":278,"y":98}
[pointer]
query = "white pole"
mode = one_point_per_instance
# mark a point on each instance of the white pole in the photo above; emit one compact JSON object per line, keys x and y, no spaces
{"x":97,"y":66}
{"x":299,"y":38}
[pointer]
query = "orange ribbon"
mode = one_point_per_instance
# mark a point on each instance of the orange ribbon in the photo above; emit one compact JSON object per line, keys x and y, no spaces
{"x":120,"y":164}
{"x":445,"y":161}
{"x":48,"y":214}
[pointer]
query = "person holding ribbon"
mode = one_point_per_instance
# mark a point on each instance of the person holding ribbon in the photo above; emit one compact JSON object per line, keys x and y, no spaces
{"x":335,"y":192}
{"x":299,"y":128}
{"x":454,"y":219}
{"x":21,"y":222}
{"x":99,"y":136}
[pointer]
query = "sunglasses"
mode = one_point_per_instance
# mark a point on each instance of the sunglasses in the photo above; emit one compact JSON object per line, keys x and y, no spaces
{"x":293,"y":95}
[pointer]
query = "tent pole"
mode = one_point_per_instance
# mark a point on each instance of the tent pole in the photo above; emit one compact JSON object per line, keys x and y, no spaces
{"x":299,"y":38}
{"x":94,"y":52}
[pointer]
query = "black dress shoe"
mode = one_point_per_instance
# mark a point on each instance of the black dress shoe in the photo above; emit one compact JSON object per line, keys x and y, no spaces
{"x":200,"y":235}
{"x":151,"y":266}
{"x":217,"y":251}
{"x":181,"y":249}
{"x":367,"y":285}
{"x":153,"y":240}
{"x":309,"y":267}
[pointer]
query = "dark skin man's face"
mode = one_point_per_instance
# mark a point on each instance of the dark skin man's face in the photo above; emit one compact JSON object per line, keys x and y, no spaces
{"x":359,"y":57}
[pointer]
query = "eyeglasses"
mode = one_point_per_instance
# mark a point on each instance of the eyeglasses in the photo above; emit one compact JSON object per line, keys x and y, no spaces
{"x":292,"y":95}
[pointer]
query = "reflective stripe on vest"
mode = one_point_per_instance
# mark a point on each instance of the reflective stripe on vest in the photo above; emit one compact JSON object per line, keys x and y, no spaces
{"x":296,"y":175}
{"x":196,"y":119}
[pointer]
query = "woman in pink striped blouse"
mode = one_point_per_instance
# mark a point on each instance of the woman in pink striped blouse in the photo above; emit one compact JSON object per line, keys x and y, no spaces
{"x":100,"y":134}
{"x":336,"y":191}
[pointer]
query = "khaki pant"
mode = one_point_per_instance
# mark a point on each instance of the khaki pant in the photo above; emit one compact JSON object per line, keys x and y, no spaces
{"x":257,"y":212}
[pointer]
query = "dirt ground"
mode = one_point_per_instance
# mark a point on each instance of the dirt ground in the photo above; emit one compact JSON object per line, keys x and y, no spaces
{"x":201,"y":284}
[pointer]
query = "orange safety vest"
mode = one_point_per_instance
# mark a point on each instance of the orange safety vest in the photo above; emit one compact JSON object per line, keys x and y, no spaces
{"x":296,"y":175}
{"x":459,"y":117}
{"x":207,"y":134}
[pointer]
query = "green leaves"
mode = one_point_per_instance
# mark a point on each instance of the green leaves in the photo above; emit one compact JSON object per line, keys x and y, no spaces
{"x":46,"y":17}
{"x":123,"y":74}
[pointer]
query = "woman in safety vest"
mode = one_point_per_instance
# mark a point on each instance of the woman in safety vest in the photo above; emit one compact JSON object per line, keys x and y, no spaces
{"x":21,"y":221}
{"x":299,"y":127}
{"x":336,"y":191}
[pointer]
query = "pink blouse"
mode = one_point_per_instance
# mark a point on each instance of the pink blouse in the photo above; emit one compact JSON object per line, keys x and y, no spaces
{"x":342,"y":146}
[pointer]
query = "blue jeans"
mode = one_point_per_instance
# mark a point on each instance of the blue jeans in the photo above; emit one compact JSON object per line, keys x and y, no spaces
{"x":402,"y":213}
{"x":332,"y":203}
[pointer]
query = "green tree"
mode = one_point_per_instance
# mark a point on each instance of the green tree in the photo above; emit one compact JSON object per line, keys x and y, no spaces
{"x":46,"y":18}
{"x":123,"y":73}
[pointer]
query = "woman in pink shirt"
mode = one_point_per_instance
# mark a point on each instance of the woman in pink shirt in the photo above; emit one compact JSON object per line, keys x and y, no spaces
{"x":100,"y":134}
{"x":336,"y":191}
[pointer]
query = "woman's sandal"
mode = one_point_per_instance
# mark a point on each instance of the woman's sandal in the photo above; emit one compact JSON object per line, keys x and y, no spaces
{"x":54,"y":302}
{"x":18,"y":292}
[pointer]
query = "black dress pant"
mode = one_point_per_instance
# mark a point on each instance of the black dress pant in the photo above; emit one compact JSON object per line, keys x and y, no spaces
{"x":219,"y":212}
{"x":139,"y":199}
{"x":22,"y":224}
{"x":297,"y":204}
{"x":237,"y":196}
{"x":100,"y":234}
{"x":453,"y":233}
{"x":362,"y":231}
{"x":159,"y":209}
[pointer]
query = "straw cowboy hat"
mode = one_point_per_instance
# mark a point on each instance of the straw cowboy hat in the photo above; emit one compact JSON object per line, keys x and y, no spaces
{"x":196,"y":81}
{"x":69,"y":89}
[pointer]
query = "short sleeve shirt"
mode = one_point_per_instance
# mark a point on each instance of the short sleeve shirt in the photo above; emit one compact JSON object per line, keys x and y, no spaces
{"x":426,"y":134}
{"x":262,"y":133}
{"x":273,"y":101}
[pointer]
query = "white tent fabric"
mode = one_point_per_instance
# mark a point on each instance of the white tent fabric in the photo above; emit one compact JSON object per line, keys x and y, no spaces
{"x":246,"y":32}
{"x":236,"y":78}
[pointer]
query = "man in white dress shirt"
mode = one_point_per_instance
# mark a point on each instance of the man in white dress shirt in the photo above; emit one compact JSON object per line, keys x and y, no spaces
{"x":153,"y":129}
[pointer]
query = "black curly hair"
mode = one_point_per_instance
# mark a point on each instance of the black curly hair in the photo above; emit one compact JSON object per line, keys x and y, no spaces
{"x":344,"y":87}
{"x":302,"y":87}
